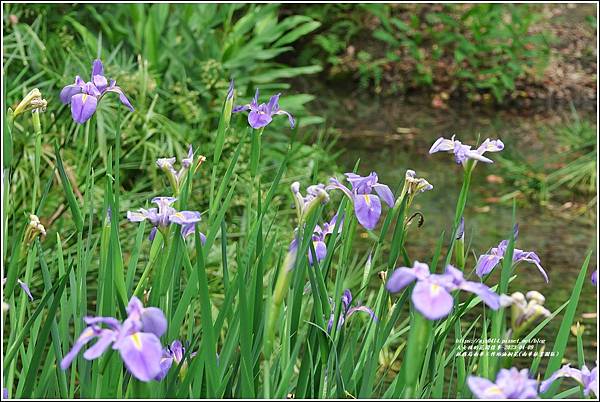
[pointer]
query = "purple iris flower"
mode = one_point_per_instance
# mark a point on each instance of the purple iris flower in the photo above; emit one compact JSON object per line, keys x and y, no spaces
{"x":487,"y":262}
{"x":347,"y":311}
{"x":463,"y":152}
{"x":164,"y":215}
{"x":431,"y":294}
{"x":174,"y":353}
{"x":510,"y":384}
{"x":367,"y":206}
{"x":318,"y":239}
{"x":136,"y":339}
{"x":262,"y":114}
{"x":84,"y":96}
{"x":586,"y":378}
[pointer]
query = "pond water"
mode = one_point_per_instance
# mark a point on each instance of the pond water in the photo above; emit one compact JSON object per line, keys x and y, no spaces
{"x":390,"y":136}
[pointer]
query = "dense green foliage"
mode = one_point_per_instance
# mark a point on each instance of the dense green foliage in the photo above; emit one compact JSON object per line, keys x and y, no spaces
{"x":454,"y":48}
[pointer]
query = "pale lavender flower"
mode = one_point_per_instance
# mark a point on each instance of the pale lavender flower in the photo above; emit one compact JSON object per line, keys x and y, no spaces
{"x":586,"y":378}
{"x":487,"y":262}
{"x":367,"y":206}
{"x":594,"y":278}
{"x":510,"y":384}
{"x":176,"y":176}
{"x":347,"y":311}
{"x":463,"y":152}
{"x":262,"y":114}
{"x":431,"y":294}
{"x":164,"y":215}
{"x":136,"y":339}
{"x":84,"y":96}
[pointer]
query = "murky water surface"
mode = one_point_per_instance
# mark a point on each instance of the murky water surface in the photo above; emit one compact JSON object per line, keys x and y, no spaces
{"x":394,"y":135}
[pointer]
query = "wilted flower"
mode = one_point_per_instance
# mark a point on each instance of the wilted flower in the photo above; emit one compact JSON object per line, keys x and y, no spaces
{"x":347,"y":311}
{"x":414,"y":184}
{"x":32,"y":101}
{"x":176,"y":177}
{"x":586,"y":378}
{"x":162,"y":217}
{"x":431,"y":294}
{"x":525,"y":310}
{"x":463,"y":152}
{"x":367,"y":206}
{"x":34,"y":229}
{"x":174,"y":353}
{"x":261,"y":115}
{"x":136,"y":339}
{"x":487,"y":262}
{"x":315,"y":195}
{"x":84,"y":96}
{"x":510,"y":384}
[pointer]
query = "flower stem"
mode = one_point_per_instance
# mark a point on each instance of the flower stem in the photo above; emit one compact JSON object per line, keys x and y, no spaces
{"x":418,"y":337}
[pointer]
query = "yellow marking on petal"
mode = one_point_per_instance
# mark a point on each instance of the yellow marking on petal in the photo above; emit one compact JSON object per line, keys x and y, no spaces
{"x":434,"y":289}
{"x":88,"y":332}
{"x":367,"y":200}
{"x":137,"y":342}
{"x":494,"y":390}
{"x":179,"y":214}
{"x":84,"y":98}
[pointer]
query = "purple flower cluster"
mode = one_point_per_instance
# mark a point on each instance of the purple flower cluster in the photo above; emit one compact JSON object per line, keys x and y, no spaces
{"x":431,"y":294}
{"x":136,"y":339}
{"x":85,"y":96}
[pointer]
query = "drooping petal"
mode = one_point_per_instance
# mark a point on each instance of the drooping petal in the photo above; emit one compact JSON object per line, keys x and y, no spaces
{"x":364,"y":309}
{"x":240,"y":108}
{"x":334,"y":184}
{"x":273,"y":104}
{"x":185,"y":217}
{"x":368,"y":210}
{"x":137,"y":216}
{"x":116,"y":89}
{"x":87,"y":335}
{"x":70,"y":90}
{"x":152,"y":234}
{"x":83,"y":106}
{"x":531,"y":257}
{"x":289,"y":116}
{"x":105,"y":338}
{"x":141,"y":352}
{"x":166,"y":362}
{"x":486,"y":294}
{"x":154,"y":321}
{"x":400,"y":278}
{"x":432,"y":300}
{"x":385,"y":193}
{"x":486,"y":263}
